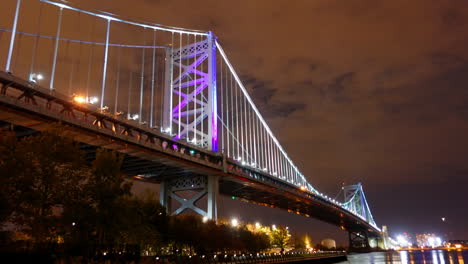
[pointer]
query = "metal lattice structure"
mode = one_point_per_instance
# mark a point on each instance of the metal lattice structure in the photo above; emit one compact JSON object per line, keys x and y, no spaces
{"x":355,"y":201}
{"x":164,"y":81}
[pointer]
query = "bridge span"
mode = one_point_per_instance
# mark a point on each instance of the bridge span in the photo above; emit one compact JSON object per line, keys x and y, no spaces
{"x":169,"y":100}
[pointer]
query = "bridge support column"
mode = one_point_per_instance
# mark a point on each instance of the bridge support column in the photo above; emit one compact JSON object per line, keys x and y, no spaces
{"x":359,"y":241}
{"x":203,"y":186}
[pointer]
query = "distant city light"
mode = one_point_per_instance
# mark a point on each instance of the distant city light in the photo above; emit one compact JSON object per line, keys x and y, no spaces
{"x":428,"y":240}
{"x":402,"y":241}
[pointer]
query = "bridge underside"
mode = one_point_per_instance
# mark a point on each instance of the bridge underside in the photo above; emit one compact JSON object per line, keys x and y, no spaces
{"x":157,"y":163}
{"x":158,"y":169}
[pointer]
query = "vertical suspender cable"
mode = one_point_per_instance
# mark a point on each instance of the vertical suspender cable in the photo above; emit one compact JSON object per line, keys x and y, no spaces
{"x":255,"y":125}
{"x":104,"y":68}
{"x":268,"y":153}
{"x":187,"y":93}
{"x":222,"y":106}
{"x":252,"y":137}
{"x":57,"y":37}
{"x":117,"y":82}
{"x":179,"y":90}
{"x":194,"y":92}
{"x":142,"y":78}
{"x":202,"y":114}
{"x":228,"y":129}
{"x":237,"y":122}
{"x":36,"y":42}
{"x":129,"y":103}
{"x":232,"y":117}
{"x":153,"y":69}
{"x":242,"y":124}
{"x":171,"y":93}
{"x":13,"y":35}
{"x":90,"y":61}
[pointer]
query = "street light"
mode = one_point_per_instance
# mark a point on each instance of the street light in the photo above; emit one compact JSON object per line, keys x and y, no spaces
{"x":205,"y":219}
{"x":79,"y":99}
{"x":257,"y":225}
{"x":234,"y":222}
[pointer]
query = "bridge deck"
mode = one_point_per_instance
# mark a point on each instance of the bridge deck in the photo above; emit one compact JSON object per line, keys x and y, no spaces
{"x":156,"y":156}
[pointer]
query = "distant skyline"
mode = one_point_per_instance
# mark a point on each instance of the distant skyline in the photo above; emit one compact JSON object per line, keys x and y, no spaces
{"x":356,"y":91}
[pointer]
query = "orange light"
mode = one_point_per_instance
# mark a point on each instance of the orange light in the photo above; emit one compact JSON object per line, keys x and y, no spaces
{"x":458,"y":245}
{"x":79,"y":99}
{"x":303,"y":188}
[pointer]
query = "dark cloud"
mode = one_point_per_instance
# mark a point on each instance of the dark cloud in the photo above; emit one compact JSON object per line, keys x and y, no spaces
{"x":337,"y":89}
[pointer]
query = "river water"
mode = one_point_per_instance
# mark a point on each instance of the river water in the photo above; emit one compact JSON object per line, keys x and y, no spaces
{"x":410,"y":257}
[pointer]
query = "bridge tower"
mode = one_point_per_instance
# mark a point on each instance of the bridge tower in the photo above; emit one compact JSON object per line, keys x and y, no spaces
{"x":355,"y":201}
{"x":190,"y":114}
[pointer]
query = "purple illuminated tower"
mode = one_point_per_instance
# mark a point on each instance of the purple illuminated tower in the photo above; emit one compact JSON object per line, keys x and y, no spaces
{"x":190,"y":101}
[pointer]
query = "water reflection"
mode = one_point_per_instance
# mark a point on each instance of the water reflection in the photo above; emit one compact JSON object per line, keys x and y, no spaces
{"x":411,"y":257}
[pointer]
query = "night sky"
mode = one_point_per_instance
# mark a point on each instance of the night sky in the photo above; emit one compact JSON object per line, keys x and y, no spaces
{"x":356,"y":91}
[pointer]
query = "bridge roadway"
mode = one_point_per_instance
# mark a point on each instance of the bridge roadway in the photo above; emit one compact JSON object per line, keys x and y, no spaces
{"x":153,"y":156}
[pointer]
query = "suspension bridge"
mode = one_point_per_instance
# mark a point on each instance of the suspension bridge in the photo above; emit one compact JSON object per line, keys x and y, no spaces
{"x":169,"y":100}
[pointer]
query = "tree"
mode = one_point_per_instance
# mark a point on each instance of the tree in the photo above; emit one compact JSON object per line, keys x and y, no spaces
{"x":41,"y":172}
{"x":145,"y":222}
{"x":280,"y":237}
{"x":107,"y":187}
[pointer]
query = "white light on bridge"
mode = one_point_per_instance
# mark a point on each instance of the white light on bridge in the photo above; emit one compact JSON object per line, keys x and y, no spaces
{"x":135,"y":117}
{"x":205,"y":219}
{"x":93,"y":100}
{"x":34,"y":77}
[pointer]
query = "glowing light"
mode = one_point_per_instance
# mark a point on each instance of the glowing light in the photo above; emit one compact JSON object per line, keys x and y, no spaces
{"x":39,"y":76}
{"x":135,"y":117}
{"x":205,"y":219}
{"x":192,"y":152}
{"x":73,"y":224}
{"x":257,"y":225}
{"x":234,"y":222}
{"x":79,"y":99}
{"x":402,"y":241}
{"x":274,"y":227}
{"x":303,"y":188}
{"x":93,"y":100}
{"x":458,"y":245}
